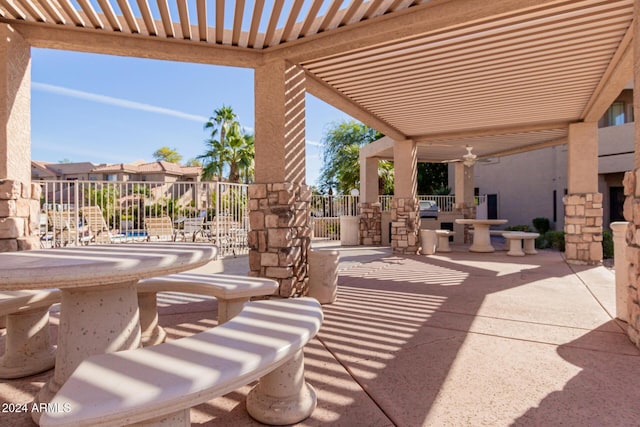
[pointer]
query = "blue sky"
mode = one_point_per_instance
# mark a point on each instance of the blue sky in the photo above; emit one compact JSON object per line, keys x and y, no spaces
{"x":110,"y":109}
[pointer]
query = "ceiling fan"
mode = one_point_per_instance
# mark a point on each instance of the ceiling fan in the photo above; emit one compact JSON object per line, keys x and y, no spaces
{"x":468,"y":159}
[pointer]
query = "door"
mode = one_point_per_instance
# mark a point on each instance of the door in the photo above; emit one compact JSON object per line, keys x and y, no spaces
{"x":616,"y":202}
{"x":492,"y":206}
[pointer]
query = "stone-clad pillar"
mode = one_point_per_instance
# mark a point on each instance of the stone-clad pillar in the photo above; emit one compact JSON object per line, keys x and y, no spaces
{"x":280,"y":201}
{"x":405,"y":217}
{"x":583,"y":203}
{"x":19,"y":200}
{"x":632,"y":203}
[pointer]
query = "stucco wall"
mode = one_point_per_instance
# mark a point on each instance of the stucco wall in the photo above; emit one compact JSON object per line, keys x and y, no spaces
{"x":525,"y":182}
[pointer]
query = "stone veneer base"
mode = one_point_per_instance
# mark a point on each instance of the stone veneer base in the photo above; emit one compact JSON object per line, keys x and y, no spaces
{"x":370,"y":228}
{"x":631,"y":184}
{"x":583,"y":228}
{"x":280,"y":236}
{"x":19,"y":216}
{"x":405,"y":224}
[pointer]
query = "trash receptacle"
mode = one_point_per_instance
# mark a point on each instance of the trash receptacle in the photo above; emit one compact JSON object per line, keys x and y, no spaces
{"x":323,"y":275}
{"x":349,"y":230}
{"x":428,"y":241}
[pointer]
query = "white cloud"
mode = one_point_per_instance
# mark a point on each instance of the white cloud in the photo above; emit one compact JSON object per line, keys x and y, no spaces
{"x":44,"y":149}
{"x":314,"y":143}
{"x":118,"y":102}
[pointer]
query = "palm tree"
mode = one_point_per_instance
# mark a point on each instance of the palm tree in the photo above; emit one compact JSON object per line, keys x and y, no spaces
{"x":223,"y":118}
{"x":240,"y":153}
{"x":213,"y":158}
{"x":233,"y":151}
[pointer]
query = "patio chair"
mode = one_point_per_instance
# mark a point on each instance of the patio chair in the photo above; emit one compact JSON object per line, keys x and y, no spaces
{"x":95,"y":220}
{"x":65,"y":230}
{"x":160,"y":228}
{"x":191,"y":227}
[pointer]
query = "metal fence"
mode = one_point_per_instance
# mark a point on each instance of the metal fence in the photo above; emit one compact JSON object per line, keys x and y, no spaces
{"x":77,"y":212}
{"x":83,"y":212}
{"x":445,"y":202}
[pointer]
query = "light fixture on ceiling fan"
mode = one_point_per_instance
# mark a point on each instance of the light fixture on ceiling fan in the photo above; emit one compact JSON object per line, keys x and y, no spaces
{"x":469,"y":159}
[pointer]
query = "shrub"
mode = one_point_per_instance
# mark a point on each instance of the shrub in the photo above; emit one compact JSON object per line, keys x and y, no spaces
{"x":554,"y":239}
{"x":524,"y":228}
{"x":607,"y":244}
{"x":542,"y":225}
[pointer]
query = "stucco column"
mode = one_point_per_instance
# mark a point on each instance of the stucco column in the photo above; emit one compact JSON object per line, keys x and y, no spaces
{"x":19,"y":200}
{"x":405,"y":218}
{"x":370,"y":230}
{"x":464,"y":199}
{"x":279,"y":200}
{"x":583,"y":203}
{"x":632,"y":202}
{"x":463,"y":190}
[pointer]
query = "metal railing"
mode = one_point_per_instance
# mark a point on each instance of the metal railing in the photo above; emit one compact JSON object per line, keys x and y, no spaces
{"x":445,"y":203}
{"x":77,"y":212}
{"x":84,"y":212}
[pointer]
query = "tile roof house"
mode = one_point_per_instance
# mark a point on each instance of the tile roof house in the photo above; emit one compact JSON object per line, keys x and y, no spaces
{"x":62,"y":171}
{"x":159,"y":171}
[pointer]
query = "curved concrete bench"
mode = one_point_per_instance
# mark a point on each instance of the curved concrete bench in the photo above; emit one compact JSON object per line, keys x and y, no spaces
{"x":28,"y":348}
{"x":160,"y":384}
{"x":232,"y":292}
{"x":515,"y":241}
{"x":443,"y":240}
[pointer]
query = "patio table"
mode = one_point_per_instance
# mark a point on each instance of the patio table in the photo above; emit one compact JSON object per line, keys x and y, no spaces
{"x":481,"y":235}
{"x":99,"y":308}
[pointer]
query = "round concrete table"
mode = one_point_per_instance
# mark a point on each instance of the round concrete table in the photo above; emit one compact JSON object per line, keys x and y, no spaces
{"x":481,"y":236}
{"x":99,"y":308}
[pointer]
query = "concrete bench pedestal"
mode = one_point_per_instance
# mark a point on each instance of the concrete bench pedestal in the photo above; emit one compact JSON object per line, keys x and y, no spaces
{"x":28,"y":347}
{"x":515,"y":241}
{"x":443,"y":240}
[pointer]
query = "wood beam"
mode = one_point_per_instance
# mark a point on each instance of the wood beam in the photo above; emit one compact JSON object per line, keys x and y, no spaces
{"x":331,"y":96}
{"x":134,"y":45}
{"x":519,"y":150}
{"x":431,"y":17}
{"x":475,"y":133}
{"x":615,"y":78}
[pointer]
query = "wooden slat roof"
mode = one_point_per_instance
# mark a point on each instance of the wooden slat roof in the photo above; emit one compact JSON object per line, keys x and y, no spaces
{"x":501,"y":75}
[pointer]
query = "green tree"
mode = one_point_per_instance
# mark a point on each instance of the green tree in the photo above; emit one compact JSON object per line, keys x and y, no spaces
{"x":232,"y":152}
{"x":193,"y":162}
{"x":432,"y":178}
{"x":341,"y":158}
{"x":167,"y":154}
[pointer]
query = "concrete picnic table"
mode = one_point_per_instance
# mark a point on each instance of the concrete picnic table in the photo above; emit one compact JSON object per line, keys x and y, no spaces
{"x":99,"y":309}
{"x":481,"y":236}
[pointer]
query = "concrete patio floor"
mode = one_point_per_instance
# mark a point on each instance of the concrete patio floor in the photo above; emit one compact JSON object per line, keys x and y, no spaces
{"x":458,"y":339}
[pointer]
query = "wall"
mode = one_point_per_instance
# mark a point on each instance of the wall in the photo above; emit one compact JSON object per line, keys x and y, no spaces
{"x":525,"y":183}
{"x":532,"y":177}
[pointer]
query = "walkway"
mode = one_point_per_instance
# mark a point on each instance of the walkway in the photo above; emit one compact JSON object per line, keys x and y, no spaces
{"x":455,"y":339}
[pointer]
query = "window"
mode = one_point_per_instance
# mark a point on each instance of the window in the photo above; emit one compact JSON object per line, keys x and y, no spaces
{"x":616,"y":114}
{"x":112,"y":177}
